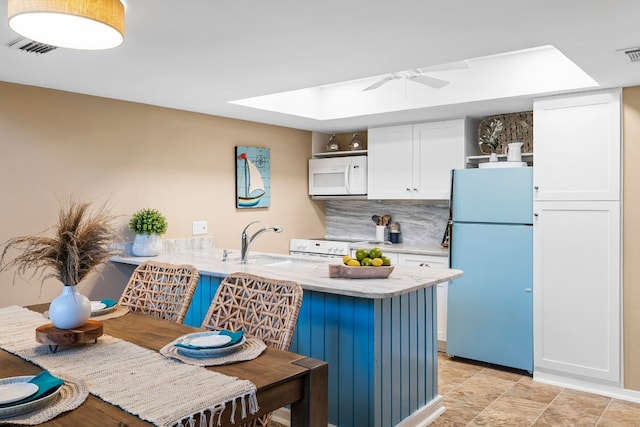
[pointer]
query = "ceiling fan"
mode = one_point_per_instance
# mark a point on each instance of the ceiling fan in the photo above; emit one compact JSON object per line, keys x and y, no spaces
{"x":418,"y":75}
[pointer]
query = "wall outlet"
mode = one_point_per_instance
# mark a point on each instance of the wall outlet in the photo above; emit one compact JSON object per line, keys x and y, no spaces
{"x":199,"y":227}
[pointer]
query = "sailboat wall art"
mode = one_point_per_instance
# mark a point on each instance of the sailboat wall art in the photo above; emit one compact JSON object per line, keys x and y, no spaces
{"x":253,"y":177}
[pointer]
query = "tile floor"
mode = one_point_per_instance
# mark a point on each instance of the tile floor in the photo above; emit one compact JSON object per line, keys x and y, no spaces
{"x":477,"y":394}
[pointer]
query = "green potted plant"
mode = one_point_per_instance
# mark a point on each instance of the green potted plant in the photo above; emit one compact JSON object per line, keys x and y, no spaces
{"x":148,"y":225}
{"x":80,"y":242}
{"x":490,"y":137}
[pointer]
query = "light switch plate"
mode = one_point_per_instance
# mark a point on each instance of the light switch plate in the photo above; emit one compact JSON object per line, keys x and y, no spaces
{"x":199,"y":227}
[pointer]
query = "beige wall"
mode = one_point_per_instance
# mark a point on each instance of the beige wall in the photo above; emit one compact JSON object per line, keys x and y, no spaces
{"x":631,"y":237}
{"x":55,"y":144}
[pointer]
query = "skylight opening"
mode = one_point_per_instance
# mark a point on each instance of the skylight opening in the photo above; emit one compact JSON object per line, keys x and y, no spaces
{"x":530,"y":72}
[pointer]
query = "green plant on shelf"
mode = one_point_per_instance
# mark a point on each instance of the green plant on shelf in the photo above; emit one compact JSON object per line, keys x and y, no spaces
{"x":491,"y":135}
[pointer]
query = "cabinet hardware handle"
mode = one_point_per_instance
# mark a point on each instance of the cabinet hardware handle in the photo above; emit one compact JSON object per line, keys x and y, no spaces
{"x":527,"y":289}
{"x":415,"y":189}
{"x":535,"y":188}
{"x":408,"y":189}
{"x":535,"y":214}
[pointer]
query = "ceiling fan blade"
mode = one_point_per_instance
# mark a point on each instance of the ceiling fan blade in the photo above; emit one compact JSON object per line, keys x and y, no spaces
{"x":429,"y":81}
{"x":379,"y":83}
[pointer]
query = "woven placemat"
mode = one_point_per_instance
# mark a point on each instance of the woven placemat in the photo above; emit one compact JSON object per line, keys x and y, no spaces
{"x":119,"y":311}
{"x":251,"y":349}
{"x":71,"y":395}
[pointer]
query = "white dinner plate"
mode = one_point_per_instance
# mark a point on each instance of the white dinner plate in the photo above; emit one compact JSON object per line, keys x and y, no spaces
{"x":16,"y":391}
{"x":23,"y":408}
{"x":103,"y":309}
{"x":97,"y":305}
{"x":206,"y":340}
{"x":207,"y":352}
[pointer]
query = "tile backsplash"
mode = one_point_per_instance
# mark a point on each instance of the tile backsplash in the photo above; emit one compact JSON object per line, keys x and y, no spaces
{"x":422,"y":222}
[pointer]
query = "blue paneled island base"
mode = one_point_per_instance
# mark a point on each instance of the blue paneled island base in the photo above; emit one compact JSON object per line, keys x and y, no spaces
{"x":382,"y":354}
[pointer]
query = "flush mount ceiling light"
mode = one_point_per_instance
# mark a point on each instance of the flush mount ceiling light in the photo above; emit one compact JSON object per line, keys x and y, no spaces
{"x":74,"y":24}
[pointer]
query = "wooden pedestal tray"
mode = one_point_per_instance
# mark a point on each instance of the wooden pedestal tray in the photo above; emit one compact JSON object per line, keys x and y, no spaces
{"x":54,"y":337}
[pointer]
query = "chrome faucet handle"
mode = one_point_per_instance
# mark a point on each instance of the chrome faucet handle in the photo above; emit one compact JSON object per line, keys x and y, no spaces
{"x":225,"y":254}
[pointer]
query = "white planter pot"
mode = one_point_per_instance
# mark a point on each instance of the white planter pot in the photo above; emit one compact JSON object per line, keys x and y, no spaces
{"x":147,"y":245}
{"x":70,"y":309}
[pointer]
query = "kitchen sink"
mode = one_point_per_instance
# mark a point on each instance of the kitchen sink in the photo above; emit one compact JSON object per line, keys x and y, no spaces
{"x":283,"y":261}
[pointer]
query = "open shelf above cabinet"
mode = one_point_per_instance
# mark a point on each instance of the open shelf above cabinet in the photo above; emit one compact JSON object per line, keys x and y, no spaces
{"x":319,"y":144}
{"x":341,"y":153}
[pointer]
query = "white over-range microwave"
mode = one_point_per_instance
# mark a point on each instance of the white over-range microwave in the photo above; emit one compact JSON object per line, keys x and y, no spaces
{"x":338,"y":176}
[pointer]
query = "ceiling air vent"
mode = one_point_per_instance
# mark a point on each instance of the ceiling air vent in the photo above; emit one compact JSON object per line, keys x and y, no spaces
{"x":633,"y":53}
{"x":30,"y":46}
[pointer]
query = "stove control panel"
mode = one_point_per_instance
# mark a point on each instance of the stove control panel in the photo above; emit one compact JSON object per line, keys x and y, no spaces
{"x":318,"y":247}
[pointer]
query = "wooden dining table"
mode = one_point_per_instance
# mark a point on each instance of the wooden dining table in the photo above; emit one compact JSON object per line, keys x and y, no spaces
{"x":280,"y":377}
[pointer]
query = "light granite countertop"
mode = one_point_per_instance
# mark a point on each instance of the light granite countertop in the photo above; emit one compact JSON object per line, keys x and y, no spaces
{"x":311,"y":272}
{"x":405,"y":248}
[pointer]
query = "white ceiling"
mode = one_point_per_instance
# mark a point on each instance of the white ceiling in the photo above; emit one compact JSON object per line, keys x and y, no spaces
{"x":199,"y":55}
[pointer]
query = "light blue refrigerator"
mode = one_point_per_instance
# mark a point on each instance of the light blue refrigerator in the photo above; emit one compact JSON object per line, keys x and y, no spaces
{"x":490,"y":308}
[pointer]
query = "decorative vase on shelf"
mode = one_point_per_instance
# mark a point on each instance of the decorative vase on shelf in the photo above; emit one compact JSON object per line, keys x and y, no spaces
{"x":356,"y":142}
{"x":333,"y":144}
{"x":493,"y":157}
{"x":147,"y":245}
{"x":70,"y":309}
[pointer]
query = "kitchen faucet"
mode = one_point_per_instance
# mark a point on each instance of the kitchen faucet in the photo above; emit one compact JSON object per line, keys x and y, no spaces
{"x":246,"y":241}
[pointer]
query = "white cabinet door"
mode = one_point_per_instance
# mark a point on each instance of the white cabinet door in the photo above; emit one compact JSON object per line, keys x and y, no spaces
{"x":441,"y":289}
{"x":415,"y":161}
{"x":577,"y":145}
{"x":438,"y":147}
{"x":577,"y":289}
{"x":389,"y":169}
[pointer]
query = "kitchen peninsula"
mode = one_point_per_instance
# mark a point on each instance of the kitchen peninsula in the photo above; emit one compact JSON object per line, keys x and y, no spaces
{"x":379,"y":335}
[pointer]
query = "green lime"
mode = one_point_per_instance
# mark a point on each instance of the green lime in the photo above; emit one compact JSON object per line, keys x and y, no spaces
{"x":386,"y":260}
{"x":365,"y":262}
{"x":375,"y":253}
{"x":361,"y":254}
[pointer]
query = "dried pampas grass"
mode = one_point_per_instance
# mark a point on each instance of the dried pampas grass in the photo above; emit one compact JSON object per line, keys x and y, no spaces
{"x":81,"y":242}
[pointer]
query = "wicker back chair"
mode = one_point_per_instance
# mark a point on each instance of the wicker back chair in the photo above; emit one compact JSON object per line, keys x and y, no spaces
{"x":263,"y":308}
{"x":161,"y":290}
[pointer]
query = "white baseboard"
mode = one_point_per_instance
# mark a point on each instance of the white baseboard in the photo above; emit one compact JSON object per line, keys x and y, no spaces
{"x":421,"y":418}
{"x":425,"y":415}
{"x":589,"y":387}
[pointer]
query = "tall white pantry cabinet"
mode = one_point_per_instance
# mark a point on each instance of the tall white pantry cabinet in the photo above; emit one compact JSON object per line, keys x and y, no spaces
{"x":577,"y":238}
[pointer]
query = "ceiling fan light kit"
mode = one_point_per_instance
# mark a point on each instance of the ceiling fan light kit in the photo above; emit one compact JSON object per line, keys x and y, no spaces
{"x":73,"y":24}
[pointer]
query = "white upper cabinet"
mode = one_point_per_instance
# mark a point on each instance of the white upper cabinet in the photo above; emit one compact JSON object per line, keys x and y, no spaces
{"x":389,"y":168}
{"x":577,"y":145}
{"x":415,"y":161}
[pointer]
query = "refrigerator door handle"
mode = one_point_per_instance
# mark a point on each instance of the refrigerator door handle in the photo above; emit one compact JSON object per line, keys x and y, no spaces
{"x":450,"y":222}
